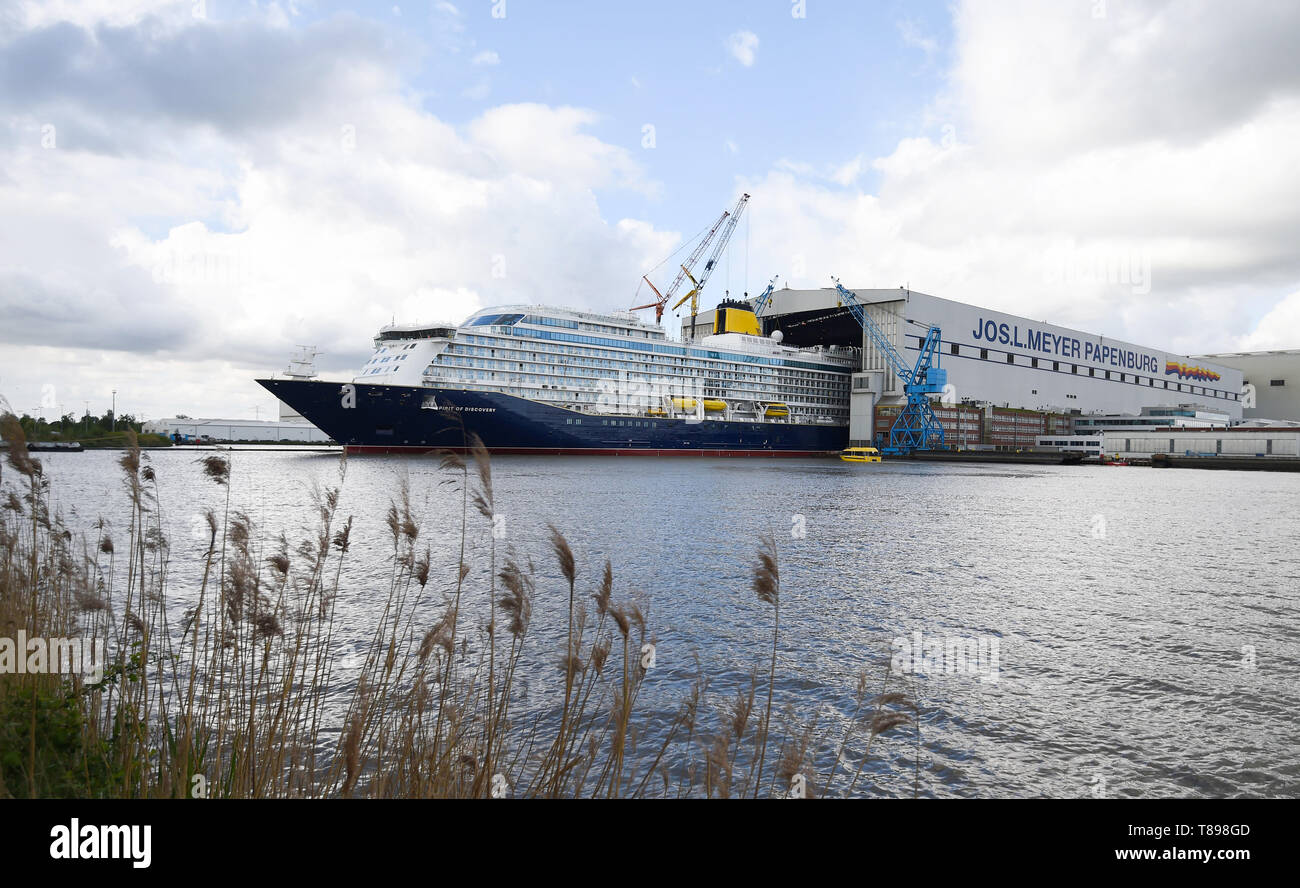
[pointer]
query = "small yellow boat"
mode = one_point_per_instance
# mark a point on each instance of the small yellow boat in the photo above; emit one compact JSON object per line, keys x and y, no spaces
{"x":683,"y":403}
{"x":714,"y":406}
{"x":777,"y":411}
{"x":860,"y":454}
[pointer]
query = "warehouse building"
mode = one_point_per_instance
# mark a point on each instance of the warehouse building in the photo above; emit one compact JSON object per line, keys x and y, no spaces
{"x":971,"y":427}
{"x":997,"y":359}
{"x":1271,"y":380}
{"x":1252,"y":442}
{"x":236,"y":430}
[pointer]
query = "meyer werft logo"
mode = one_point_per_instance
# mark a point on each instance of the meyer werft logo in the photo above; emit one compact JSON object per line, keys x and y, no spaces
{"x":67,"y":656}
{"x":90,"y":842}
{"x":1185,"y":371}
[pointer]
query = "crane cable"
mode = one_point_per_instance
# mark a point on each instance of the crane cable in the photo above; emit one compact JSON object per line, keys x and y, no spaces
{"x":685,"y":244}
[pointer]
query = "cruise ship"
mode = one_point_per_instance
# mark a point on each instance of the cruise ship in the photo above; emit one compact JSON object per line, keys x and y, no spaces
{"x":543,"y":380}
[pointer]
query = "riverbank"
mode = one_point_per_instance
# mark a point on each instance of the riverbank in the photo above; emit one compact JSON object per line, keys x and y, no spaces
{"x":1234,"y":463}
{"x":1025,"y":457}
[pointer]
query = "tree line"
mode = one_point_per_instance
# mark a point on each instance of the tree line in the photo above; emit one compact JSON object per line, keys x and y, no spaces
{"x":69,"y":426}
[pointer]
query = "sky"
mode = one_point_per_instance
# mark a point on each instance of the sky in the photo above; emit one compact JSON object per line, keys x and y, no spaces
{"x":189,"y":190}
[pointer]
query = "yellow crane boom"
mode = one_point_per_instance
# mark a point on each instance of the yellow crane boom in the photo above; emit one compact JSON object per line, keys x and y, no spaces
{"x":697,"y":286}
{"x":661,"y":299}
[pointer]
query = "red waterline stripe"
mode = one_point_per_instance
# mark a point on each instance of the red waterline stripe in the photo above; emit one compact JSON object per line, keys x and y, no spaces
{"x":592,"y":451}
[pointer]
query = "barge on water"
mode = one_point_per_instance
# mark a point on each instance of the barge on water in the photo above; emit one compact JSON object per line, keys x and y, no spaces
{"x":55,"y":446}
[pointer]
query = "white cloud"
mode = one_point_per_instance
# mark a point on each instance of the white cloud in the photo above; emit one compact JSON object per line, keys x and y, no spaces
{"x":213,"y":235}
{"x":848,"y":173}
{"x":1278,"y":329}
{"x":743,"y":45}
{"x":547,"y":145}
{"x":486,"y":57}
{"x":1159,"y":204}
{"x":1172,"y":72}
{"x":89,"y":13}
{"x":914,"y":37}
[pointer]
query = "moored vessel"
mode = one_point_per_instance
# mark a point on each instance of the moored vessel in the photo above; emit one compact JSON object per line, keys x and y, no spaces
{"x":537,"y":379}
{"x":860,"y":455}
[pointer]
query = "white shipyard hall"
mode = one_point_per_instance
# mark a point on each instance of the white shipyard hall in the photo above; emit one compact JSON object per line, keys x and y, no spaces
{"x":996,"y":358}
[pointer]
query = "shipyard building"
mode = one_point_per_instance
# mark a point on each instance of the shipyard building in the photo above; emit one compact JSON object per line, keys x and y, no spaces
{"x":1010,"y":379}
{"x":1271,"y":380}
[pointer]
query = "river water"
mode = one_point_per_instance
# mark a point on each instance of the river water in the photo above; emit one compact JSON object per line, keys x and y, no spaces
{"x":1131,"y":632}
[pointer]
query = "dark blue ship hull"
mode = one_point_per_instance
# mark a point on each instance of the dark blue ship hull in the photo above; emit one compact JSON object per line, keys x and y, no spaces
{"x":397,"y":419}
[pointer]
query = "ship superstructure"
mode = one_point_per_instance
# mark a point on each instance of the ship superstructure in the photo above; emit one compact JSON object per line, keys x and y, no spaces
{"x":615,"y":363}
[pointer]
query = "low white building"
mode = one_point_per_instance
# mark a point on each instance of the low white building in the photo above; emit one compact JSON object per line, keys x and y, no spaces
{"x":227,"y":430}
{"x":1252,"y":442}
{"x":1182,"y":416}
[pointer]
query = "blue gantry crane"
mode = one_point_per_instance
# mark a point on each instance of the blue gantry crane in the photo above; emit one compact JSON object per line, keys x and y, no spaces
{"x":764,"y":298}
{"x":916,"y":428}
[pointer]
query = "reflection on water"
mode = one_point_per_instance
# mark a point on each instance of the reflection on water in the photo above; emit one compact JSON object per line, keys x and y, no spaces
{"x":1144,"y":621}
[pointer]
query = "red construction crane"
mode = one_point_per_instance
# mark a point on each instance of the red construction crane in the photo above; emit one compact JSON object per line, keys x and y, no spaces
{"x":661,"y":299}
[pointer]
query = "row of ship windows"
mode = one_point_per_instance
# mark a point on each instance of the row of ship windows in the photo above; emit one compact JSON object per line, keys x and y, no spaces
{"x":605,"y":358}
{"x":628,"y":423}
{"x":594,"y":328}
{"x":575,"y":398}
{"x":509,"y":320}
{"x":492,"y":363}
{"x":659,"y":349}
{"x":384,"y":351}
{"x":827,"y":382}
{"x":380,"y":362}
{"x":489,"y":365}
{"x":485,"y":346}
{"x":1113,"y":375}
{"x":542,"y":371}
{"x":533,"y":390}
{"x":469,"y":370}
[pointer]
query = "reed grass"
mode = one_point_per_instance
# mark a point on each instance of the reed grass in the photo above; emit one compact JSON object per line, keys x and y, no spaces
{"x":233,"y":689}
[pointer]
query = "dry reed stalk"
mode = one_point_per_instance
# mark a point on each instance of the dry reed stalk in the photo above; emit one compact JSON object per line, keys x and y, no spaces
{"x":570,"y":661}
{"x":767,"y":586}
{"x":247,"y":703}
